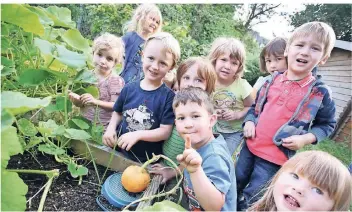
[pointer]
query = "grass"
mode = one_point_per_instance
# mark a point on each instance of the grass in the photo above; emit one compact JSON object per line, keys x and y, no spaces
{"x":340,"y":150}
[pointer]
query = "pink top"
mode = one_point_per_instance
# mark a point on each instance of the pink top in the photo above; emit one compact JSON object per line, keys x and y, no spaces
{"x":109,"y":90}
{"x":283,"y":98}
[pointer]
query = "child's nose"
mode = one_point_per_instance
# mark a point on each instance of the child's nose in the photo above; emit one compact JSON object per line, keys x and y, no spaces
{"x":188,"y":123}
{"x":154,"y":65}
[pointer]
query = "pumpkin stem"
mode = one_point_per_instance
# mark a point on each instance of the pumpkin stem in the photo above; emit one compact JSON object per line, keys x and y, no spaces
{"x":153,"y":159}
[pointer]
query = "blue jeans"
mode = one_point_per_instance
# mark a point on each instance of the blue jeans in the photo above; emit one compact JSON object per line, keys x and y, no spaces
{"x":252,"y":175}
{"x":232,"y":140}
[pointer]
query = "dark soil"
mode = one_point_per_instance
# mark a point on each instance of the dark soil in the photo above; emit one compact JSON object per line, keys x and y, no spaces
{"x":65,"y":194}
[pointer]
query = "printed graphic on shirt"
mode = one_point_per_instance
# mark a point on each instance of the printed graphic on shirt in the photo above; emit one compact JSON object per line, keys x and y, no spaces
{"x":224,"y":101}
{"x":137,"y":62}
{"x":140,"y":118}
{"x":193,"y":204}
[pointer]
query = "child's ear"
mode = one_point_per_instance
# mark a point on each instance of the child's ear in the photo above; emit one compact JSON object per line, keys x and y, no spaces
{"x":323,"y":61}
{"x":213,"y":120}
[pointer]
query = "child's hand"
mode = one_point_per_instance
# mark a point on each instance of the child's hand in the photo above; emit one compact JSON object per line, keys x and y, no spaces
{"x":219,"y":113}
{"x":74,"y":98}
{"x":249,"y":129}
{"x":88,"y":99}
{"x":295,"y":142}
{"x":167,"y":172}
{"x":190,"y":159}
{"x":109,"y":138}
{"x":231,"y":115}
{"x":126,"y":141}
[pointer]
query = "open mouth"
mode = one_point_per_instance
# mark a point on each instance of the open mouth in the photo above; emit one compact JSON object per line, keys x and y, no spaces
{"x":292,"y":201}
{"x":302,"y":61}
{"x":153,"y":73}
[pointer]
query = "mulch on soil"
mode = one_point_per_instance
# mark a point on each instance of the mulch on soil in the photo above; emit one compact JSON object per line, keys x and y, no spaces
{"x":65,"y":194}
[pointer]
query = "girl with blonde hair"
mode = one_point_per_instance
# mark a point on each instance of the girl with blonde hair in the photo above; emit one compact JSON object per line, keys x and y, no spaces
{"x":145,"y":22}
{"x":309,"y":181}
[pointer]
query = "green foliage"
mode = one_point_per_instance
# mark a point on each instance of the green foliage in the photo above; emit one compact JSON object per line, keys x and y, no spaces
{"x":338,"y":16}
{"x":77,"y":170}
{"x":13,"y":191}
{"x":76,"y":134}
{"x":19,"y":15}
{"x":339,"y":150}
{"x":16,"y":102}
{"x":26,"y":127}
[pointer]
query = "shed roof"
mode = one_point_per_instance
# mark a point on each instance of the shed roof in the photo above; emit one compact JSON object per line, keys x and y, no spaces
{"x":343,"y":45}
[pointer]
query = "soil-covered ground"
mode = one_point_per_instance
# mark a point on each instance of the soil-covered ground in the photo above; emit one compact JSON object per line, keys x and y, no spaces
{"x":65,"y":194}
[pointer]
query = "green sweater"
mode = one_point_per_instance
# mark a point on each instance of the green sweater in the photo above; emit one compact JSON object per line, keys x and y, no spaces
{"x":173,"y":146}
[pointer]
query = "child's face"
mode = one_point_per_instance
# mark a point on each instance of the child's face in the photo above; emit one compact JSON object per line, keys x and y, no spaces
{"x":191,"y":78}
{"x":157,"y":61}
{"x":293,"y":192}
{"x":226,"y":67}
{"x":104,"y":61}
{"x":194,"y":120}
{"x":275,"y":63}
{"x":304,"y":54}
{"x":151,"y":23}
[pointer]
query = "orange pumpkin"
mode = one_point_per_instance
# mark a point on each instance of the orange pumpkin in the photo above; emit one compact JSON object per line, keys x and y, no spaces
{"x":135,"y":179}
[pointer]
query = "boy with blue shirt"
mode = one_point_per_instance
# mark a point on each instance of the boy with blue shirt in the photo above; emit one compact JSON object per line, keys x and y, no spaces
{"x":143,"y":111}
{"x":209,"y":173}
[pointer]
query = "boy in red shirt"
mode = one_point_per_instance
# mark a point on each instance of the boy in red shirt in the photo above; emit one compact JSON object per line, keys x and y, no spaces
{"x":293,"y":109}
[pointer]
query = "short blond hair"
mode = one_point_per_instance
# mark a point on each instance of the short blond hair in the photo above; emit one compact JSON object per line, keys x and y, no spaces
{"x":169,"y":43}
{"x":205,"y":71}
{"x":323,"y":170}
{"x":109,"y":41}
{"x":233,"y":46}
{"x":322,"y":32}
{"x":139,"y":16}
{"x":196,"y":95}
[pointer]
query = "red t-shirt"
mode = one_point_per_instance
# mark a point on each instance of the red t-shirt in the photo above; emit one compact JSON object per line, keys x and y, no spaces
{"x":282,"y":100}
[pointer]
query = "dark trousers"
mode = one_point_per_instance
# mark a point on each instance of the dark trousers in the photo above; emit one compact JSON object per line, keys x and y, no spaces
{"x":252,"y":175}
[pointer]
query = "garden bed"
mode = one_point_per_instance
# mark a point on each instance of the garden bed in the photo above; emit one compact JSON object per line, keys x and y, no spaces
{"x":65,"y":194}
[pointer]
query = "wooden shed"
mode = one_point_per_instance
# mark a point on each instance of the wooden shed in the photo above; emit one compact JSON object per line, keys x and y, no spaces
{"x":336,"y":73}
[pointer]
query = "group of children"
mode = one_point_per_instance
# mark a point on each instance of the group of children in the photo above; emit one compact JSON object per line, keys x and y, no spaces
{"x":151,"y":108}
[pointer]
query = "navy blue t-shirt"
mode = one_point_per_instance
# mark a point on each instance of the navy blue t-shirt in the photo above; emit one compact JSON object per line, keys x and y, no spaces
{"x":132,"y":70}
{"x":144,"y":110}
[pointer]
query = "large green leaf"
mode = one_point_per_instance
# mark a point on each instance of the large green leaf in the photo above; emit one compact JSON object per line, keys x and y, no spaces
{"x":34,"y":77}
{"x":77,"y":134}
{"x":70,"y":58}
{"x":50,"y":128}
{"x":33,"y":142}
{"x":81,"y":124}
{"x":51,"y":33}
{"x":54,"y":64}
{"x":6,"y":119}
{"x":86,"y":76}
{"x":17,"y":103}
{"x":74,"y":38}
{"x":18,"y":15}
{"x":10,"y":145}
{"x":42,"y":14}
{"x":6,"y":71}
{"x":6,"y":62}
{"x":13,"y":191}
{"x":92,"y":90}
{"x":61,"y":16}
{"x":26,"y":127}
{"x":50,"y":149}
{"x":60,"y":104}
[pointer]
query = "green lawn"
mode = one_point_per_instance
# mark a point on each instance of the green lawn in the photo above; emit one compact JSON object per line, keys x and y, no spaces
{"x":340,"y":150}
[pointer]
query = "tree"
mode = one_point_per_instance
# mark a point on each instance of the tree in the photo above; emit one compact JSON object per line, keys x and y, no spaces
{"x":254,"y":14}
{"x":338,"y":16}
